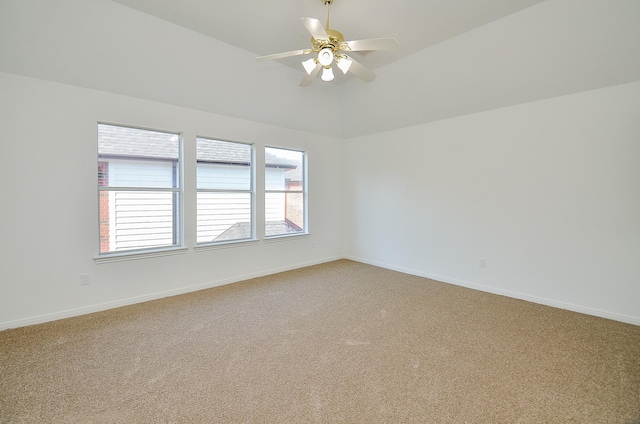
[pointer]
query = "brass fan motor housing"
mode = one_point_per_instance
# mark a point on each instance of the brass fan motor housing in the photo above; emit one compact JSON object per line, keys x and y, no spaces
{"x":335,"y":42}
{"x":335,"y":36}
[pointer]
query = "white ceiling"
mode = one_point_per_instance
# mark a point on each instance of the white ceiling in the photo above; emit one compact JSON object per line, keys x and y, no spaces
{"x":456,"y":57}
{"x":265,"y":27}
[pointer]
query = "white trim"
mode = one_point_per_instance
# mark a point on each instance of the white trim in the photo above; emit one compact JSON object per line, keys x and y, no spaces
{"x":515,"y":295}
{"x":226,"y":244}
{"x":283,"y":237}
{"x":153,"y":296}
{"x":131,"y":301}
{"x":134,"y":255}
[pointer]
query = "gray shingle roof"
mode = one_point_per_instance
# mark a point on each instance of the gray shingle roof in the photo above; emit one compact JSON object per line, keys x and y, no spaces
{"x":242,"y":230}
{"x":134,"y":142}
{"x":118,"y":141}
{"x":222,"y":151}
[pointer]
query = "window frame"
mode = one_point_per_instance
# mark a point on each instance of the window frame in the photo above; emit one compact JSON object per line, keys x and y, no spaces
{"x":303,"y":191}
{"x":251,"y":191}
{"x":177,"y":195}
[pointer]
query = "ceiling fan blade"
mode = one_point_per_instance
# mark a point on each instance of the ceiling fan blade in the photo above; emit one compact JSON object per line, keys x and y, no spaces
{"x":308,"y":79}
{"x":361,"y":72}
{"x":372,"y":44}
{"x":281,"y":55}
{"x":315,"y":28}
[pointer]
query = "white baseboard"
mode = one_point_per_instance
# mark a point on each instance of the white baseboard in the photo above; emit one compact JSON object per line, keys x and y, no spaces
{"x":153,"y":296}
{"x":516,"y":295}
{"x":182,"y":290}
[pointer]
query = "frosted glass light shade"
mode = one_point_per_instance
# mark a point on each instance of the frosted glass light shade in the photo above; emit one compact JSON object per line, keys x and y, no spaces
{"x":325,"y":56}
{"x":327,"y":74}
{"x":309,"y":65}
{"x":344,"y":64}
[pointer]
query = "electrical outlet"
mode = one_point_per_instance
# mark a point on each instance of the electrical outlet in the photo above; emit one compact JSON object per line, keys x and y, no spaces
{"x":482,"y":263}
{"x":84,"y":279}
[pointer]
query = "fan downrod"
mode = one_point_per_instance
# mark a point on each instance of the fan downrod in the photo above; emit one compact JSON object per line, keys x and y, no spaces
{"x":327,"y":1}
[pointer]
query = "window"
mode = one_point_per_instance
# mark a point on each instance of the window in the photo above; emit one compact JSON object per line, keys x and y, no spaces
{"x":285,"y":192}
{"x":225,"y":191}
{"x":139,"y":189}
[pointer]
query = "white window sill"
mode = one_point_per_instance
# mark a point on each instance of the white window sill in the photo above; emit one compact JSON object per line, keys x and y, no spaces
{"x":225,"y":245}
{"x":285,"y":237}
{"x":137,"y":255}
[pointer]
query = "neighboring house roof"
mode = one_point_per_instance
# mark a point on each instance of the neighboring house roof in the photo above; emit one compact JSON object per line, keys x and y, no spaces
{"x":222,"y":152}
{"x":117,"y":141}
{"x":242,"y":230}
{"x":272,"y":161}
{"x":134,"y":142}
{"x":295,"y":174}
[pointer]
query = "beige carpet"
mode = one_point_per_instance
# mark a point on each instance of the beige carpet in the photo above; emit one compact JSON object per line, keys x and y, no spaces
{"x":339,"y":342}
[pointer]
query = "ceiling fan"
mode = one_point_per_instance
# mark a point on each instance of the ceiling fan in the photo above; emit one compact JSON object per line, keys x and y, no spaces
{"x":330,"y":47}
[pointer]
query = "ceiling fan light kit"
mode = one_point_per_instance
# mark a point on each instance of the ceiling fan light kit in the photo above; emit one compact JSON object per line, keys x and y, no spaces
{"x":344,"y":64}
{"x":325,"y":56}
{"x":329,"y":47}
{"x":327,"y":74}
{"x":310,"y":65}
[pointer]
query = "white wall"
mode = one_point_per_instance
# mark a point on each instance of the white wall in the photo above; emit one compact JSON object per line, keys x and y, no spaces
{"x":106,"y":46}
{"x":551,"y":49}
{"x":547,"y":192}
{"x":49,"y":215}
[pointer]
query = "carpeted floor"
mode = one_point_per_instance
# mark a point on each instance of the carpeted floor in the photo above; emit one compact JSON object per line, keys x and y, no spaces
{"x":338,"y":342}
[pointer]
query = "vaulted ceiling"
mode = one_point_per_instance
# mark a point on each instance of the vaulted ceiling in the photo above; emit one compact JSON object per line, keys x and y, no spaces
{"x":274,"y":26}
{"x":456,"y":56}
